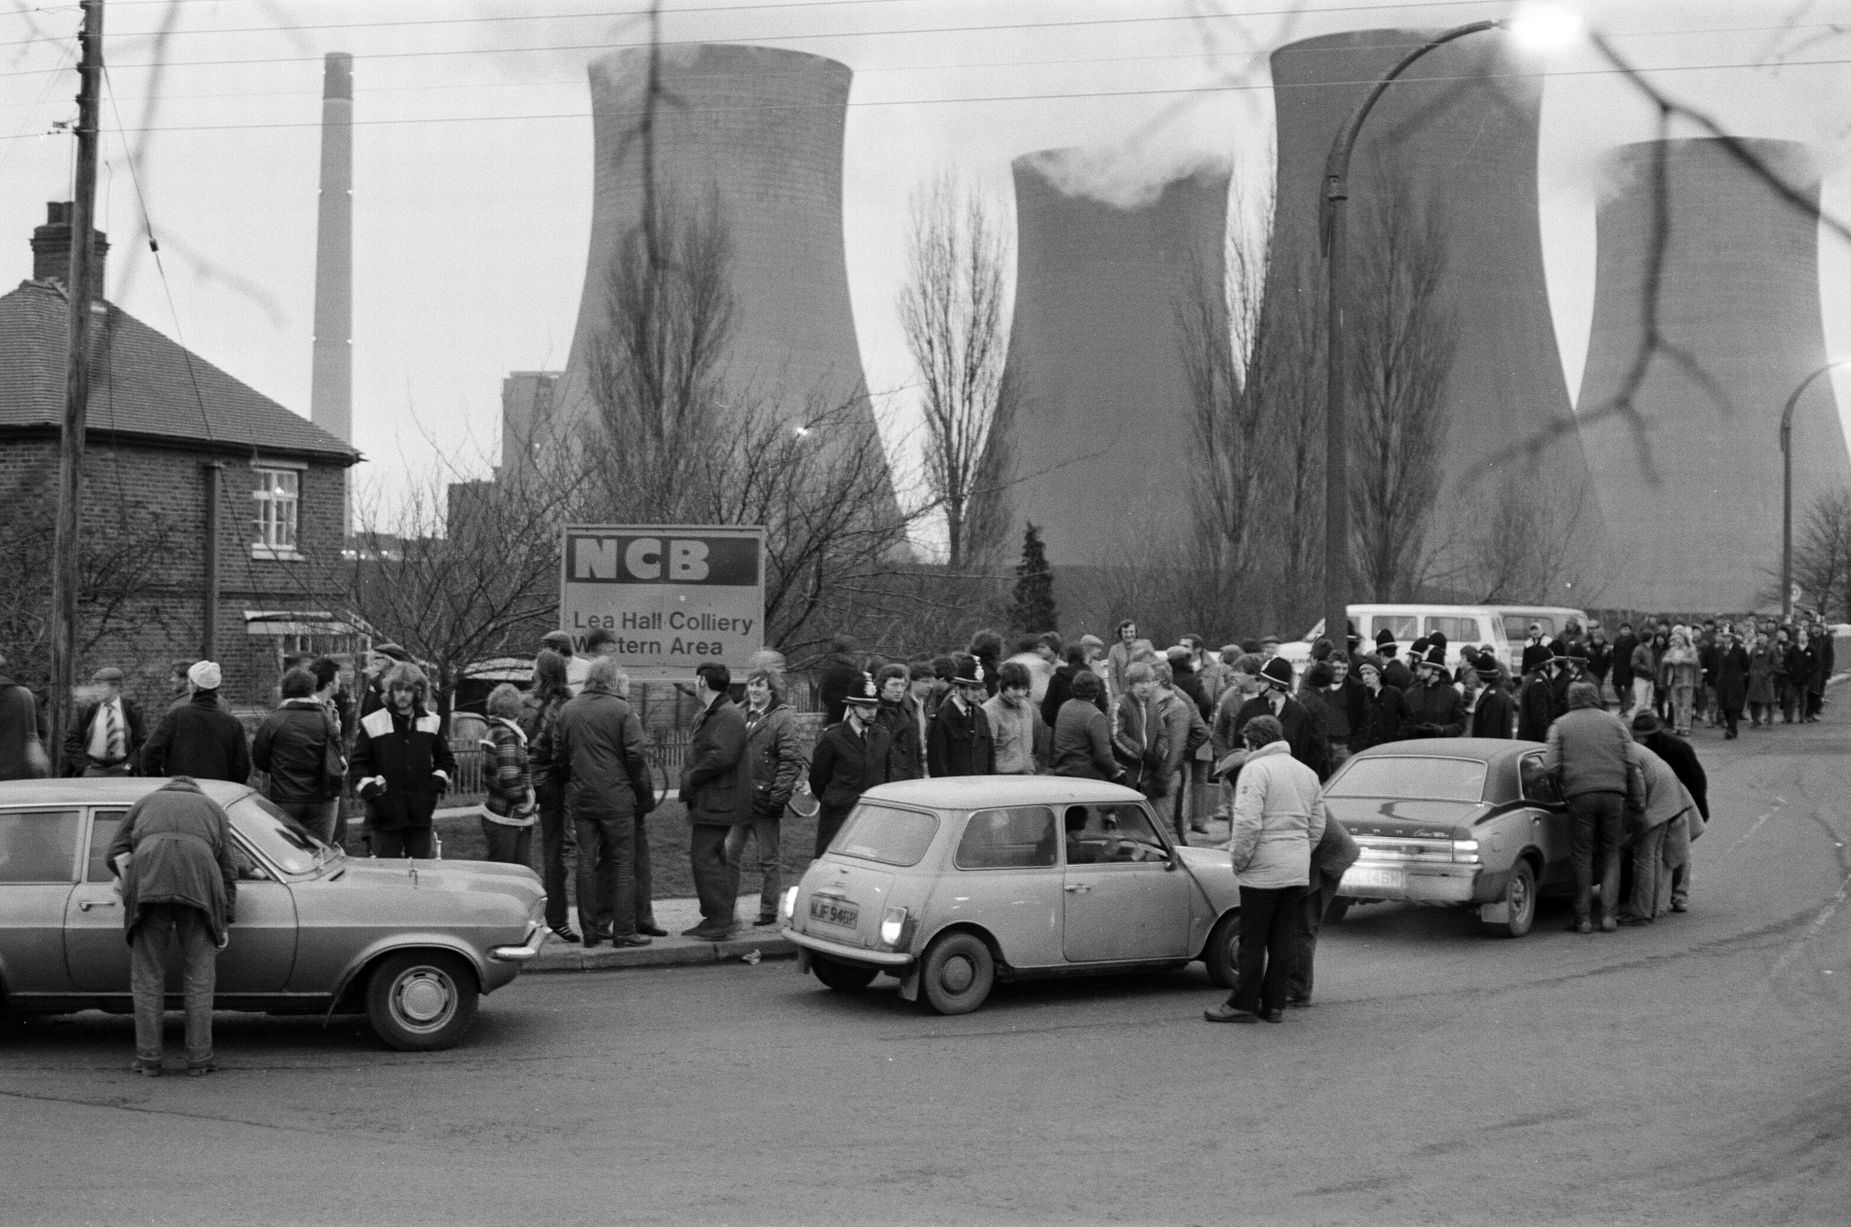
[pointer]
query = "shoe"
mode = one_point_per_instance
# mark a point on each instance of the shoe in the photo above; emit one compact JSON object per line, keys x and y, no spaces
{"x":1581,"y":926}
{"x":565,"y":933}
{"x":627,"y":940}
{"x":200,"y":1071}
{"x":764,"y":922}
{"x":1298,"y":1003}
{"x":1680,"y":907}
{"x":1228,"y":1014}
{"x":1631,"y":921}
{"x":1609,"y":925}
{"x":652,"y":930}
{"x":147,"y":1069}
{"x":1273,"y":1016}
{"x":592,"y":943}
{"x":702,"y":933}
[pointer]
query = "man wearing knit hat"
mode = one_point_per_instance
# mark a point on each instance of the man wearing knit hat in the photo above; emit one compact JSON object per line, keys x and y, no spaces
{"x":198,"y":737}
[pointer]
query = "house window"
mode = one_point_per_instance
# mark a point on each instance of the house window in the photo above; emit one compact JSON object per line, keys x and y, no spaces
{"x":278,"y":497}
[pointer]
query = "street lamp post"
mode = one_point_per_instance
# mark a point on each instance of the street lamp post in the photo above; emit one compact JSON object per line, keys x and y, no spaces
{"x":1786,"y":488}
{"x":1332,"y":232}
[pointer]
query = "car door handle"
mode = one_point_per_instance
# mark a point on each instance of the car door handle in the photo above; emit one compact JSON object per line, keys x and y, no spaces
{"x":87,"y":904}
{"x":1077,"y":888}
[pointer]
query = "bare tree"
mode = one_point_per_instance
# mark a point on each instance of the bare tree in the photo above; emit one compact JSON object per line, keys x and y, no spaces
{"x":1401,"y":341}
{"x":954,"y":310}
{"x":1822,"y":556}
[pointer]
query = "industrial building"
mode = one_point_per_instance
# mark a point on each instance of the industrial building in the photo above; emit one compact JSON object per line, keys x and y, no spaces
{"x":1454,"y":145}
{"x":1682,"y":434}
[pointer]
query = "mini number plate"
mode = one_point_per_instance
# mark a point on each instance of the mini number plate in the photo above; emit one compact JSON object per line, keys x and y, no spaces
{"x":830,"y":911}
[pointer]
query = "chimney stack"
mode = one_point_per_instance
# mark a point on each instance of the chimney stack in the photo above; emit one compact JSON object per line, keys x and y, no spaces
{"x":331,"y":383}
{"x":51,"y":249}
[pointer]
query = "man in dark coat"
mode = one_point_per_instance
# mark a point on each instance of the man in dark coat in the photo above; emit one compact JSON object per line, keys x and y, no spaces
{"x":198,"y":737}
{"x":106,"y":732}
{"x":598,"y":757}
{"x":173,"y":853}
{"x":1649,"y":731}
{"x":1303,"y":731}
{"x":1730,"y":672}
{"x":1623,"y":645}
{"x":291,"y":750}
{"x":1335,"y":851}
{"x":1385,"y":716}
{"x":1537,"y":704}
{"x":899,"y":715}
{"x":1435,"y":709}
{"x":1394,"y":671}
{"x":958,"y":742}
{"x":716,"y":788}
{"x":1495,"y":715}
{"x":401,"y":764}
{"x":850,"y":758}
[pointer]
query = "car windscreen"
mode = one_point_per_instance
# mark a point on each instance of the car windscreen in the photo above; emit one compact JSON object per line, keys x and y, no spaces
{"x":283,"y":842}
{"x":1410,"y":778}
{"x":886,"y":834}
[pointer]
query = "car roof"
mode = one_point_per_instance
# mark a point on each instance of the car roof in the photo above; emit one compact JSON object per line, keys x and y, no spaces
{"x":986,"y":791}
{"x":1486,"y":749}
{"x":105,"y":790}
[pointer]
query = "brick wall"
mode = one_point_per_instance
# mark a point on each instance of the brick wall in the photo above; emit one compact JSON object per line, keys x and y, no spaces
{"x":144,"y":524}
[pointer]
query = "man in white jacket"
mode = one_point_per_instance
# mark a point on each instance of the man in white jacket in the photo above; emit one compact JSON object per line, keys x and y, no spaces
{"x":1278,"y":818}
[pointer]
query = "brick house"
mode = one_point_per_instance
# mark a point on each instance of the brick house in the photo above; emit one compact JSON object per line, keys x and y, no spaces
{"x":212,"y":515}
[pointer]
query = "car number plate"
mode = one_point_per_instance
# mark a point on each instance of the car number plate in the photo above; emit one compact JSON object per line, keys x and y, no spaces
{"x":1373,"y":876}
{"x":837,"y":912}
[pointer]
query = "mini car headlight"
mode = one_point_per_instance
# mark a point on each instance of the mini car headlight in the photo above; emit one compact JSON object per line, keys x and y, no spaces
{"x":1465,"y":851}
{"x":893,"y":927}
{"x":787,"y":904}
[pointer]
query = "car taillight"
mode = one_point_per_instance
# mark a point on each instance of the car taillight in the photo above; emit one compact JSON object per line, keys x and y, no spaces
{"x":894,"y":928}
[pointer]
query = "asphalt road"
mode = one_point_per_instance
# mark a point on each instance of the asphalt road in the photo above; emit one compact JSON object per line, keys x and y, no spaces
{"x":1693,"y":1072}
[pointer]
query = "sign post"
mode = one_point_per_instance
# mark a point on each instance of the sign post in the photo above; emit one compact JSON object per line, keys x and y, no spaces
{"x":672,"y":596}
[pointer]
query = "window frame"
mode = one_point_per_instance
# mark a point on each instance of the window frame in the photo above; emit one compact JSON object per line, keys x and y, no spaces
{"x":269,"y":503}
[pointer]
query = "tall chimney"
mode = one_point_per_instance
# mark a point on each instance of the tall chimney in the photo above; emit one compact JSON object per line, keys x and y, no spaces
{"x":331,"y":383}
{"x":51,"y":249}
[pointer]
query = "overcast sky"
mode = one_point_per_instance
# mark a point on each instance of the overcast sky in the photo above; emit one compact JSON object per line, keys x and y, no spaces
{"x":472,"y":176}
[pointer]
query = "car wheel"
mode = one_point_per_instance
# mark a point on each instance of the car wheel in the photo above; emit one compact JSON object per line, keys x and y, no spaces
{"x":1338,"y":909}
{"x":958,"y":973}
{"x":1218,"y":955}
{"x":1519,"y":901}
{"x":420,"y":1001}
{"x":846,"y":977}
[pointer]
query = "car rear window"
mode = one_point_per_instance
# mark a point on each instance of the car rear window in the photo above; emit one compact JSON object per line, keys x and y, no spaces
{"x":37,"y":845}
{"x":886,"y":834}
{"x":1410,"y":778}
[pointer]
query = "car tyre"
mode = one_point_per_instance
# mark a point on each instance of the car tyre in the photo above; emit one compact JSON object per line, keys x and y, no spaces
{"x":843,"y":977}
{"x":1218,"y":956}
{"x":958,"y":973}
{"x":421,"y":1001}
{"x":1519,"y":901}
{"x":1338,"y":909}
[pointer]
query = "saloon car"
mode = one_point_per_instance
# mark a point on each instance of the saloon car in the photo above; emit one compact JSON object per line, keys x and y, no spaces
{"x":410,"y":944}
{"x":1454,"y":821}
{"x":952,"y":884}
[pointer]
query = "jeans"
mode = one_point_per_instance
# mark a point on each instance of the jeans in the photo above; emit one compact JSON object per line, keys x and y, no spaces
{"x":506,"y":844}
{"x":414,"y":842}
{"x":715,"y":883}
{"x":606,"y":874}
{"x":1648,"y":854}
{"x":160,"y":927}
{"x":1641,"y":695}
{"x":1263,"y":961}
{"x":1308,"y":922}
{"x":764,"y":831}
{"x":1600,"y":820}
{"x":315,"y":817}
{"x":645,"y":881}
{"x":553,"y":852}
{"x":1683,"y":702}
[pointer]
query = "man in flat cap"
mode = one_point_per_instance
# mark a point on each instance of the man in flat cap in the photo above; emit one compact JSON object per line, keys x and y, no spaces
{"x":199,"y":738}
{"x":106,"y":731}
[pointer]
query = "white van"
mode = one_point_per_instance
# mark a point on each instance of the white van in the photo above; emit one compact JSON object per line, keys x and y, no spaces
{"x":1504,"y":627}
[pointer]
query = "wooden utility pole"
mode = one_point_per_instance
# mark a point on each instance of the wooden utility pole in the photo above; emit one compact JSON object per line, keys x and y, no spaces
{"x":66,"y":545}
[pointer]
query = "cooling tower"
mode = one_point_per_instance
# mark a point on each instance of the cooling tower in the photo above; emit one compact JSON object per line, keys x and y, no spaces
{"x":1103,"y":434}
{"x":757,"y":132}
{"x":1452,"y":143}
{"x":1690,"y":479}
